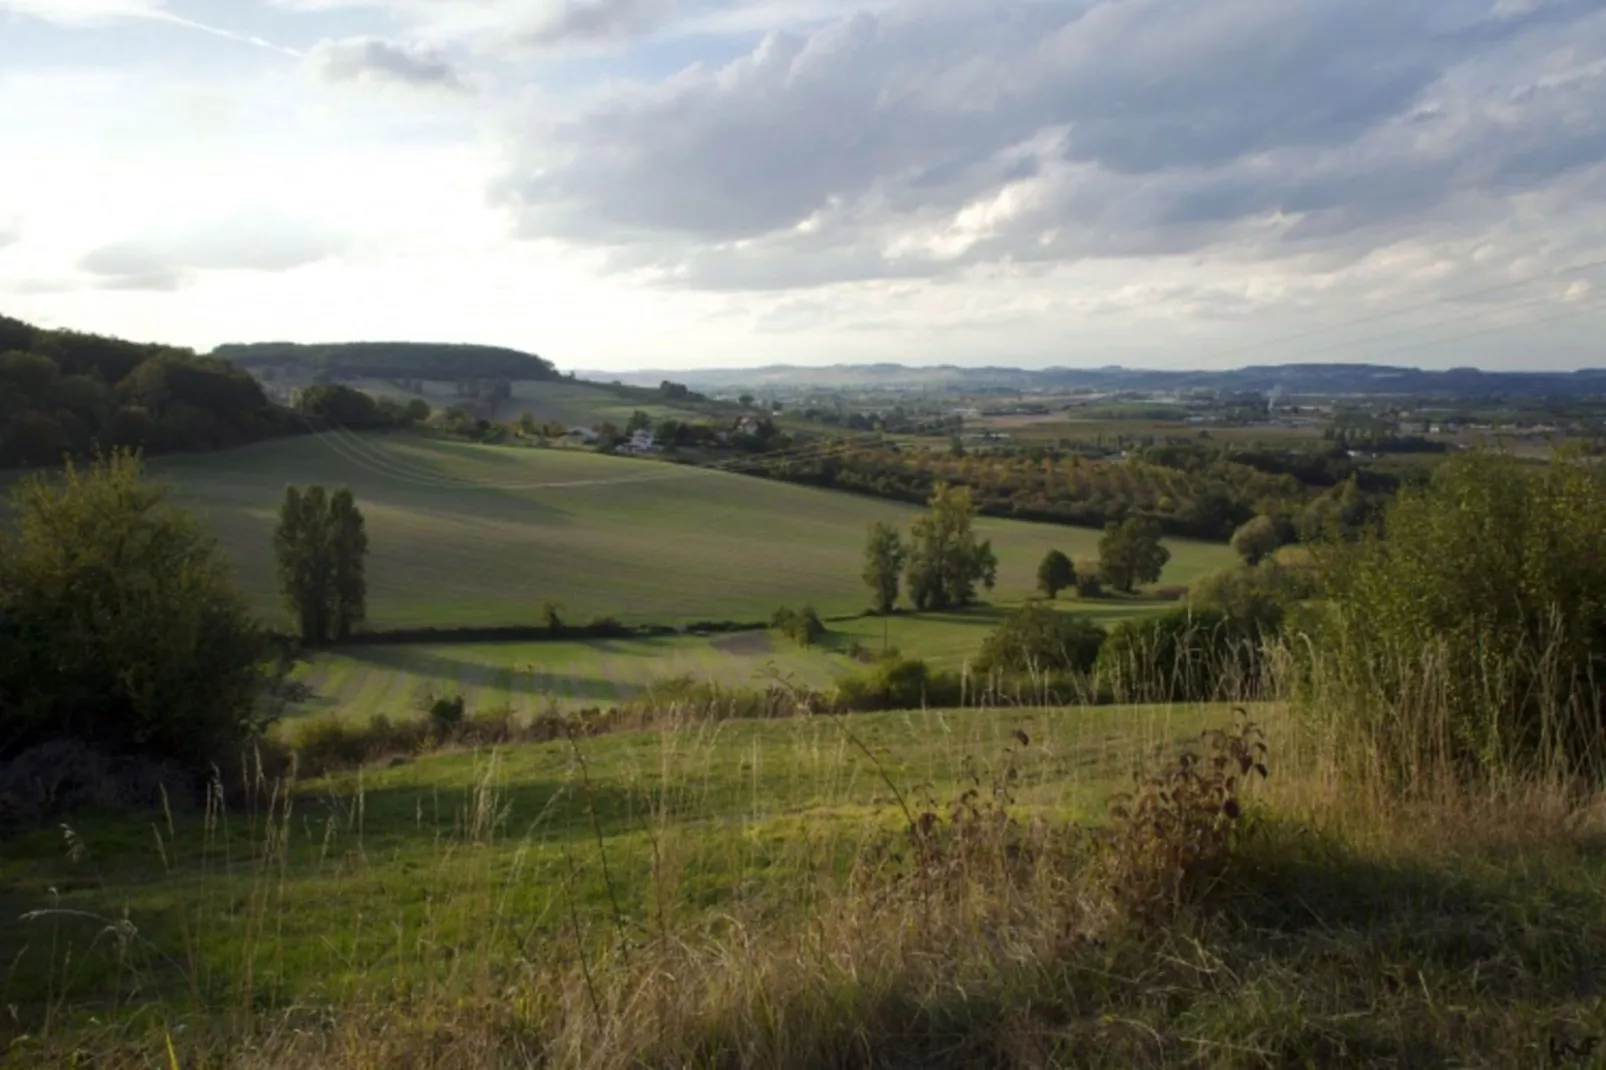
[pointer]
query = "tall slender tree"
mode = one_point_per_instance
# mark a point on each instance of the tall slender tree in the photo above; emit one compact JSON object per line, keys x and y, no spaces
{"x":884,"y":555}
{"x":321,"y":545}
{"x":348,"y":536}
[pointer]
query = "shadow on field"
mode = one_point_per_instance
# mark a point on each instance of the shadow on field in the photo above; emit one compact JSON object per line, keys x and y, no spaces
{"x":515,"y":680}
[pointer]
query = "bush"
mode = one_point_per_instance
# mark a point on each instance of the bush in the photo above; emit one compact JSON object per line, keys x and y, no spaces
{"x":1257,"y":601}
{"x":1468,"y":636}
{"x":120,"y":626}
{"x":1179,"y":656}
{"x":1038,"y":639}
{"x":898,"y":684}
{"x":802,"y":626}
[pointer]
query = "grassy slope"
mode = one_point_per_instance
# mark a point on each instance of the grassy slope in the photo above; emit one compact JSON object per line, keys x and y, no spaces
{"x":388,"y":847}
{"x":574,"y":403}
{"x":464,"y":534}
{"x":357,"y":683}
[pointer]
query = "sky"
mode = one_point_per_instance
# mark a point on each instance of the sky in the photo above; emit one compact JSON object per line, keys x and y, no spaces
{"x":619,"y":184}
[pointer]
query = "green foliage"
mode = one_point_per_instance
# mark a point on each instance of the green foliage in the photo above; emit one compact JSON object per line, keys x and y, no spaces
{"x":1038,"y":639}
{"x":1256,"y":539}
{"x":1179,"y":656}
{"x":1130,"y":553}
{"x":321,"y":545}
{"x":1089,"y":583}
{"x":68,"y":394}
{"x":1470,"y":632}
{"x":884,"y":558}
{"x":120,"y":626}
{"x":802,"y":626}
{"x":1257,"y":601}
{"x":1055,"y":573}
{"x":342,"y":406}
{"x":898,"y":683}
{"x":945,"y":561}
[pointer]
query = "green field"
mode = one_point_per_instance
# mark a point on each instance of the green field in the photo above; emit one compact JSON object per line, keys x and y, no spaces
{"x":464,"y":534}
{"x":556,"y":400}
{"x":431,"y":854}
{"x":359,"y":682}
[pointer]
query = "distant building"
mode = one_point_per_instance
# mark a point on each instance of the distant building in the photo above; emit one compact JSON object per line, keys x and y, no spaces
{"x":641,"y":441}
{"x":584,"y":434}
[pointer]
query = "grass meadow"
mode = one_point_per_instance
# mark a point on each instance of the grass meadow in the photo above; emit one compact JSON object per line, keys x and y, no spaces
{"x":464,"y":534}
{"x":388,"y":881}
{"x":356,"y":683}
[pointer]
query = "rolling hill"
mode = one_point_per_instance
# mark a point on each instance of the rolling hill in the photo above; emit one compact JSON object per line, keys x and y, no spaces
{"x":476,"y":535}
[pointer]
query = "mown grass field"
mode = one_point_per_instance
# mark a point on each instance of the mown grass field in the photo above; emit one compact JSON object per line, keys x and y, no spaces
{"x":381,"y":882}
{"x":359,"y":682}
{"x":477,"y":535}
{"x":573,"y":403}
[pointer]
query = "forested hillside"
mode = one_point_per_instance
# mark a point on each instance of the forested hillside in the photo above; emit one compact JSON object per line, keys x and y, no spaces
{"x":386,"y":360}
{"x":62,"y":392}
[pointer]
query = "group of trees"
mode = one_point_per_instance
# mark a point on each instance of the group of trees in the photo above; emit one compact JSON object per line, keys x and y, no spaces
{"x":338,"y":405}
{"x":940,"y":565}
{"x":1208,"y":502}
{"x":321,"y":546}
{"x":69,"y":394}
{"x":1130,"y":553}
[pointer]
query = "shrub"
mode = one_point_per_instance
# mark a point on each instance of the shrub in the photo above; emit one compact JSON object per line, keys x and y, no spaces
{"x":1179,"y":656}
{"x":446,"y":714}
{"x":802,"y":626}
{"x":898,"y":684}
{"x":120,"y":626}
{"x":1169,"y":840}
{"x":1038,"y":639}
{"x":1468,"y":635}
{"x":1257,"y":601}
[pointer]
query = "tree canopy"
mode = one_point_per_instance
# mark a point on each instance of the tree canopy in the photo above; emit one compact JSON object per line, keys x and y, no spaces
{"x":946,"y":562}
{"x":67,"y":394}
{"x":120,"y":627}
{"x":389,"y":360}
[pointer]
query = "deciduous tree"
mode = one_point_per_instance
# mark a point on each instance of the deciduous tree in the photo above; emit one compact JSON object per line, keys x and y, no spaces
{"x":884,"y":557}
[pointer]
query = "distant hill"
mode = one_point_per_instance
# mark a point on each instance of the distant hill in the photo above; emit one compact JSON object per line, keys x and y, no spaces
{"x":1293,"y":379}
{"x":388,"y":360}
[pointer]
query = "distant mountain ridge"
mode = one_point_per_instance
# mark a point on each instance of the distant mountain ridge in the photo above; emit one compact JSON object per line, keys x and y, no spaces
{"x":1376,"y":380}
{"x":389,"y":360}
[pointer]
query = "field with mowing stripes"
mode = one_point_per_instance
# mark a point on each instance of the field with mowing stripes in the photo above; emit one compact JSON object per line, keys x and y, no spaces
{"x":479,"y":535}
{"x":357,"y":683}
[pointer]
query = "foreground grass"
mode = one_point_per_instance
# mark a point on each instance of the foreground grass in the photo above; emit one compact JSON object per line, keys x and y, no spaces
{"x":263,"y":892}
{"x":728,"y":898}
{"x":479,"y":535}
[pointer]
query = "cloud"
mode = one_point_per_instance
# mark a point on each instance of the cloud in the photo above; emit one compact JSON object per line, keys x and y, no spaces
{"x":10,"y":233}
{"x":257,"y":242}
{"x":368,"y":60}
{"x":566,"y":22}
{"x":83,"y":12}
{"x":927,"y":138}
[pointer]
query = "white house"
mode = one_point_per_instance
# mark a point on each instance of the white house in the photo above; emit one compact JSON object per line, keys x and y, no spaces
{"x":641,"y":441}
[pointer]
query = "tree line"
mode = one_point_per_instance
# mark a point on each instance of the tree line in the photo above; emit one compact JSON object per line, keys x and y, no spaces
{"x":63,"y":393}
{"x":1209,"y":503}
